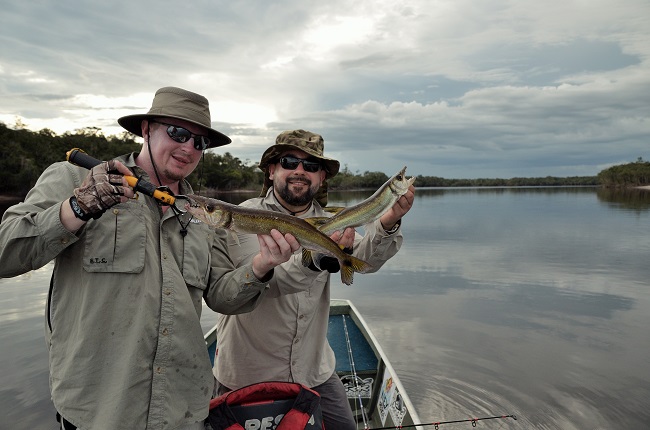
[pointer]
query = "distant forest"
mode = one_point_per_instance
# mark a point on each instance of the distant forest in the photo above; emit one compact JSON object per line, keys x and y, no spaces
{"x":24,"y":154}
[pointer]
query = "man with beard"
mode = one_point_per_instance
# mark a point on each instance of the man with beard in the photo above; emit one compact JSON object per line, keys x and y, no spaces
{"x":285,"y":337}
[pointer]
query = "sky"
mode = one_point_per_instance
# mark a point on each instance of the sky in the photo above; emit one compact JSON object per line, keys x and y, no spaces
{"x":449,"y":88}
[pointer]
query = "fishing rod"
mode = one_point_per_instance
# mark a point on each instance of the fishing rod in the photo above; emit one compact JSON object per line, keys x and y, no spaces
{"x":436,"y":424}
{"x":364,"y":417}
{"x":80,"y":158}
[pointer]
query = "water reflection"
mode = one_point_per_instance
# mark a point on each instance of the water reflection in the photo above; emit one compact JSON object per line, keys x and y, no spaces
{"x":634,"y":199}
{"x":533,"y":302}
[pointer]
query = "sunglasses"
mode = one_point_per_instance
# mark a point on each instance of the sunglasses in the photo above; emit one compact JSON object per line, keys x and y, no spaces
{"x":291,"y":163}
{"x":182,"y":135}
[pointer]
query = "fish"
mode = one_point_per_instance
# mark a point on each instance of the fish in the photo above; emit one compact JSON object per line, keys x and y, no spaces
{"x":368,"y":210}
{"x":219,"y":214}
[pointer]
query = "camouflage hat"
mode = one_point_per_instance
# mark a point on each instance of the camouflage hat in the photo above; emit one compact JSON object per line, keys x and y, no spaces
{"x":306,"y":141}
{"x":172,"y":102}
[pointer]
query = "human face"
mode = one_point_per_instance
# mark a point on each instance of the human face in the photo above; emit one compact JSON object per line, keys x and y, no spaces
{"x":174,"y":160}
{"x":295,"y":187}
{"x":182,"y":135}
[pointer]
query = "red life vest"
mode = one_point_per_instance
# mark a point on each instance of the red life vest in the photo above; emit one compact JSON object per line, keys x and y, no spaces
{"x":267,"y":406}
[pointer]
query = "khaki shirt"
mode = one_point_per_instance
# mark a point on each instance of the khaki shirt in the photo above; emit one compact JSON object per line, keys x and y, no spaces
{"x":285,"y":337}
{"x":126,"y":348}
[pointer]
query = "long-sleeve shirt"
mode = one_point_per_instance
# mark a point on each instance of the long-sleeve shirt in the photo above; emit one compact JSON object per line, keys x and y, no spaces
{"x":126,"y":349}
{"x":285,"y":337}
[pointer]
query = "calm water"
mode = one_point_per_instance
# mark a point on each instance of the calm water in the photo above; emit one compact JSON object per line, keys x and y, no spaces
{"x":533,"y":302}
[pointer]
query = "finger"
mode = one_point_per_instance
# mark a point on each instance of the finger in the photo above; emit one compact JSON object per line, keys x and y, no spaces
{"x":336,"y":236}
{"x":281,"y":246}
{"x":271,"y":243}
{"x":347,"y":240}
{"x":292,"y":241}
{"x":260,"y":239}
{"x":114,"y":179}
{"x":114,"y":165}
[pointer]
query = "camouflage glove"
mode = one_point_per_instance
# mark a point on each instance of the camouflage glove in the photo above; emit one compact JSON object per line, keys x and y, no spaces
{"x":101,"y":189}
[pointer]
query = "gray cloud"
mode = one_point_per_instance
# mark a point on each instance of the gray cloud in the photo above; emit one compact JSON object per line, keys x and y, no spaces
{"x":464,"y":89}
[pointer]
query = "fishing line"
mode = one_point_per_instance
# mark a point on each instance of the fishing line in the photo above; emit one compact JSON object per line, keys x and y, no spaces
{"x":435,"y":425}
{"x":177,"y":213}
{"x":354,"y":374}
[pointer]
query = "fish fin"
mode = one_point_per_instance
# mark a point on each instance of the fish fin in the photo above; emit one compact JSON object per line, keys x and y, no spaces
{"x":347,"y":273}
{"x":334,"y":209}
{"x":235,"y":237}
{"x":359,"y":265}
{"x":351,"y":265}
{"x":317,"y":221}
{"x":307,"y":258}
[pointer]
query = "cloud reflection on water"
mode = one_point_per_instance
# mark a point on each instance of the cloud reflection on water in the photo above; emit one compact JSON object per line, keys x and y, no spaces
{"x":534,"y":303}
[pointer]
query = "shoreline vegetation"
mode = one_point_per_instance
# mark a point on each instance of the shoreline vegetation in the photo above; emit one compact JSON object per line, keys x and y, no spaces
{"x":25,"y":154}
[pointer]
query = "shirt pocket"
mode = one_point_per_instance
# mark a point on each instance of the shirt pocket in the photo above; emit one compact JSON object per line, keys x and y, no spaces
{"x":197,"y":254}
{"x":116,"y":242}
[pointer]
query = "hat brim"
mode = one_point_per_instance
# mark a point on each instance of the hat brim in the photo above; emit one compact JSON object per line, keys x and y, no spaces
{"x":133,"y":124}
{"x":332,"y":166}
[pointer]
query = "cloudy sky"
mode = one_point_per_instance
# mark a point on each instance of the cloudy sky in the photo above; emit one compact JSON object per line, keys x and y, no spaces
{"x":450,"y":88}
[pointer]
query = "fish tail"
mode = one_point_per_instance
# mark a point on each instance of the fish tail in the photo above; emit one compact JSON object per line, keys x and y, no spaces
{"x":359,"y":265}
{"x":347,"y":273}
{"x":350,"y":265}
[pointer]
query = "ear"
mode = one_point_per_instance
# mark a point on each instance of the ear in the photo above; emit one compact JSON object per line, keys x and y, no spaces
{"x":144,"y":126}
{"x":271,"y":171}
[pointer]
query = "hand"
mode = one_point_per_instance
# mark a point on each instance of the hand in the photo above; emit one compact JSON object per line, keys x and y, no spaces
{"x":103,"y":187}
{"x":399,"y":209}
{"x":275,"y":249}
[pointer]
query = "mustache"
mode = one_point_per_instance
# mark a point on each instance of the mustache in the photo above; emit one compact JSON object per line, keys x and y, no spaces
{"x":300,"y":178}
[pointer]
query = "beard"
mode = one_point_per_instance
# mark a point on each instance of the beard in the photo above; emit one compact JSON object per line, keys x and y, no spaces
{"x":298,"y":199}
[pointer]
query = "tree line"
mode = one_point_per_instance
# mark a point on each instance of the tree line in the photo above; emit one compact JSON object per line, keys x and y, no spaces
{"x":25,"y":154}
{"x":625,"y":175}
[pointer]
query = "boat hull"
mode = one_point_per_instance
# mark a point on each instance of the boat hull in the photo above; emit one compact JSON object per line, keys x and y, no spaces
{"x":376,"y":395}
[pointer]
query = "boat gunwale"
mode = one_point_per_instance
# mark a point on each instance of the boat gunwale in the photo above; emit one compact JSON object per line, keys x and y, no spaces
{"x":346,"y":307}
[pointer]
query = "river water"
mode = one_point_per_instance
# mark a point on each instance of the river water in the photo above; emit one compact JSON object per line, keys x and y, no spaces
{"x":526,"y":301}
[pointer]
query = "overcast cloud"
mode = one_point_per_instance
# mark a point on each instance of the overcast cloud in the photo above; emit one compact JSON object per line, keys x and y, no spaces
{"x":455,"y":88}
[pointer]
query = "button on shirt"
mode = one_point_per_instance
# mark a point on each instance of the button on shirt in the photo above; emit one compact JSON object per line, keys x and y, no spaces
{"x":285,"y":337}
{"x":126,"y":349}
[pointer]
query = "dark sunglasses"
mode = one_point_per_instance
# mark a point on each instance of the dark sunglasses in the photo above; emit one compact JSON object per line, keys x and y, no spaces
{"x":291,"y":163}
{"x":182,"y":135}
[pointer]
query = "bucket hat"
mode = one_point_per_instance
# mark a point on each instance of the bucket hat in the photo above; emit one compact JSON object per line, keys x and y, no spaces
{"x":311,"y":143}
{"x":173,"y":102}
{"x":308,"y":142}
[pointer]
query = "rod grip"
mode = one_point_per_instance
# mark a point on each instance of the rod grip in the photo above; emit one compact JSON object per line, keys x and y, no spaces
{"x":79,"y":158}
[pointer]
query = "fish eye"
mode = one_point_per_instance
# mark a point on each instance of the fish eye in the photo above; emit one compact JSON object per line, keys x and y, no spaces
{"x":210,"y":208}
{"x":400,"y":177}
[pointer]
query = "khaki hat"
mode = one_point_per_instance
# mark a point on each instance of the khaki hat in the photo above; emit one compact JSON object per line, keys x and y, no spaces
{"x":172,"y":102}
{"x":306,"y":141}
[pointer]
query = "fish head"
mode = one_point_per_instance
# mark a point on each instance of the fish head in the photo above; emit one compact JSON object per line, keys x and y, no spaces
{"x":399,"y":184}
{"x":210,"y":211}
